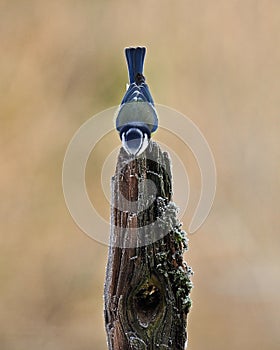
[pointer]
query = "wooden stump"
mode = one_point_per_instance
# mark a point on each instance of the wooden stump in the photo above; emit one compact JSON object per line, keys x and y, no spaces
{"x":147,"y":282}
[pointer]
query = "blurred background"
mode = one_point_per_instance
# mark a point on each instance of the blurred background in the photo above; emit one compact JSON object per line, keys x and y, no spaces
{"x":62,"y":62}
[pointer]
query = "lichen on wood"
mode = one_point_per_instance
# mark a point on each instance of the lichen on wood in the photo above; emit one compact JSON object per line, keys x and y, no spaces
{"x":147,"y":283}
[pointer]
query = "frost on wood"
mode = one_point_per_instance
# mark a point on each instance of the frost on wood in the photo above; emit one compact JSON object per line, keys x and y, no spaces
{"x":147,"y":283}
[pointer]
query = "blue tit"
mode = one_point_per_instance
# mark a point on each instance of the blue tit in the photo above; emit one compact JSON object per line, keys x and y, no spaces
{"x":136,"y":117}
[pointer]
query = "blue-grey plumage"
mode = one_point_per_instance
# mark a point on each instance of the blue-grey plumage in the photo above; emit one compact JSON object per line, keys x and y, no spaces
{"x":137,"y":117}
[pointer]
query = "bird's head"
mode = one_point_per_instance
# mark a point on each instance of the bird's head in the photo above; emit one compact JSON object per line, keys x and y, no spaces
{"x":135,"y":138}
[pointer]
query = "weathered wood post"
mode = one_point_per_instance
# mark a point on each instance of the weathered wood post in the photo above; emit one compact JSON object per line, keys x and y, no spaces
{"x":147,"y":282}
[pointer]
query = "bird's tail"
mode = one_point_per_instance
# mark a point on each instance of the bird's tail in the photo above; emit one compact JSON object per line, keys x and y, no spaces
{"x":135,"y":61}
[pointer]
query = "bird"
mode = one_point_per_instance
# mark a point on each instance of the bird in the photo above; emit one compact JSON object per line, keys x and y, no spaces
{"x":136,"y":117}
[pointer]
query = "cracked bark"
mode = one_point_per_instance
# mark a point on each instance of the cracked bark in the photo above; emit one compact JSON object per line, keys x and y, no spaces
{"x":147,"y":283}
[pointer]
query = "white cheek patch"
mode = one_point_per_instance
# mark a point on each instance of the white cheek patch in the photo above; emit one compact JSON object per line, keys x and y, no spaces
{"x":144,"y":145}
{"x":124,"y":144}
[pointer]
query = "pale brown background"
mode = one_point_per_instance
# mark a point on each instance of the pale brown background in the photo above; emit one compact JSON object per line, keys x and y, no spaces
{"x":61,"y":62}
